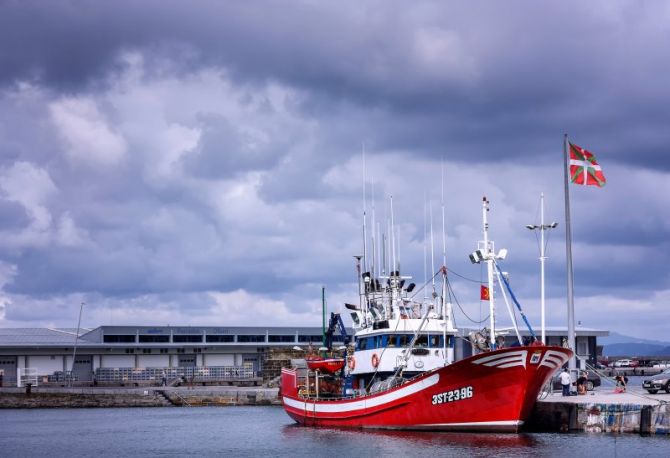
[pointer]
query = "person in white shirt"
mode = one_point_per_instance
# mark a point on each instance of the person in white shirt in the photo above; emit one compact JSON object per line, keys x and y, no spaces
{"x":566,"y":380}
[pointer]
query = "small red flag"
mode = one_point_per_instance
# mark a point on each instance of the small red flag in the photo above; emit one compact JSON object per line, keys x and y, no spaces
{"x":484,"y":293}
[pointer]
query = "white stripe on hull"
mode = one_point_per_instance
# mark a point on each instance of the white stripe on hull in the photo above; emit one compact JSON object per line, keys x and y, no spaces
{"x":339,"y":406}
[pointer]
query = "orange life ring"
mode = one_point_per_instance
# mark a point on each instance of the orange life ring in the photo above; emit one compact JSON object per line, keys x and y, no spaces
{"x":351,"y":363}
{"x":375,"y":360}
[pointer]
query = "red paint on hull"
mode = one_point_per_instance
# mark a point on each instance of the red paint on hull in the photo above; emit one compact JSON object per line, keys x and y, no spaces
{"x":496,"y":391}
{"x":329,"y":365}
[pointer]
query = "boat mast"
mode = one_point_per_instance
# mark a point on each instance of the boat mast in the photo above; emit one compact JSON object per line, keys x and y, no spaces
{"x":488,"y":256}
{"x":447,"y":315}
{"x":444,"y":227}
{"x":374,"y":250}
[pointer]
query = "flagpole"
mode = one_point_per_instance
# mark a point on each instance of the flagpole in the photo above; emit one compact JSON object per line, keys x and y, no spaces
{"x":568,"y":255}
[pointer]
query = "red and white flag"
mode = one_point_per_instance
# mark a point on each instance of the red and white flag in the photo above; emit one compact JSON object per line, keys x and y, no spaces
{"x":584,"y":169}
{"x":484,"y":293}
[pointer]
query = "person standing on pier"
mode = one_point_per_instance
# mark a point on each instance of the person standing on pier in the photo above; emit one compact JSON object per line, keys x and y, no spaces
{"x":581,"y":383}
{"x":565,"y":382}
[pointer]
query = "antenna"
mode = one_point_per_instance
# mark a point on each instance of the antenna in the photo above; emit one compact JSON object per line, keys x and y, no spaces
{"x":374,"y":251}
{"x":365,"y":235}
{"x":444,"y":228}
{"x":393,"y":259}
{"x":432,"y":246}
{"x":397,"y":241}
{"x":425,"y":232}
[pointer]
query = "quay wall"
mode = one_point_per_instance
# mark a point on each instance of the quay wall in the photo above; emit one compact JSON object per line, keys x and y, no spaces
{"x":600,"y":418}
{"x":120,"y":397}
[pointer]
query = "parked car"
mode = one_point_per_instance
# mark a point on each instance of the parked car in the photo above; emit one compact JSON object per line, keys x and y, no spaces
{"x":625,"y":363}
{"x":658,"y":382}
{"x":592,"y":382}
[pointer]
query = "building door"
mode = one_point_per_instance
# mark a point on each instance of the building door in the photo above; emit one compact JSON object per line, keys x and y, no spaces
{"x":252,"y":361}
{"x":83,"y":368}
{"x":186,"y":360}
{"x":8,"y":370}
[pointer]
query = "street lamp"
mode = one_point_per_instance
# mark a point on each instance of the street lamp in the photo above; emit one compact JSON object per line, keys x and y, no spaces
{"x":76,"y":339}
{"x":542,"y":228}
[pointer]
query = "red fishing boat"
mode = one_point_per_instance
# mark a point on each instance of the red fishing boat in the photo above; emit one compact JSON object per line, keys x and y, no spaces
{"x":410,"y":368}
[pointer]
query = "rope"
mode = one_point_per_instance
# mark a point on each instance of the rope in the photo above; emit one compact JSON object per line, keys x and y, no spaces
{"x":465,"y":278}
{"x":523,"y":315}
{"x":461,"y":308}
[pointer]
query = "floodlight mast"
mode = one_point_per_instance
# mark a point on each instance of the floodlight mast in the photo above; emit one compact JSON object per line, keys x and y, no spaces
{"x":542,"y":228}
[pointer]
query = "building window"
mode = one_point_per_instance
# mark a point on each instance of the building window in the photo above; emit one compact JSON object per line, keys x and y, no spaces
{"x":154,"y":339}
{"x":281,"y":339}
{"x":130,"y":350}
{"x":318,"y":339}
{"x":180,"y":350}
{"x":163,"y":351}
{"x":582,"y":348}
{"x":146,"y":350}
{"x":125,"y":338}
{"x":214,"y":338}
{"x":189,"y":338}
{"x":251,"y":338}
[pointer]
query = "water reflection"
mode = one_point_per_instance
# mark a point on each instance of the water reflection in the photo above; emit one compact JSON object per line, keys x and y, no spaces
{"x":395,"y":441}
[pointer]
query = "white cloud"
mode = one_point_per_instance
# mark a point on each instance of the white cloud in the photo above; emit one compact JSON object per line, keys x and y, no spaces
{"x":32,"y":187}
{"x":236,"y":307}
{"x":86,"y":133}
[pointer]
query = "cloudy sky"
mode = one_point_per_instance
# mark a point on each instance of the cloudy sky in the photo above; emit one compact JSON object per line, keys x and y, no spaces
{"x":201,"y":162}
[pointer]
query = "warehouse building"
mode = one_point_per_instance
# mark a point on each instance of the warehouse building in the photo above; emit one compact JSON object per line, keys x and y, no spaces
{"x":148,"y":353}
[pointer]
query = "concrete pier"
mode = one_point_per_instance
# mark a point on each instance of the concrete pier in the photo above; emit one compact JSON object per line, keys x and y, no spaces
{"x":58,"y":397}
{"x":603,"y":411}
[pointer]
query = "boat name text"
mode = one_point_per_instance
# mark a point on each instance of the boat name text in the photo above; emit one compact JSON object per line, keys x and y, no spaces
{"x":453,"y":395}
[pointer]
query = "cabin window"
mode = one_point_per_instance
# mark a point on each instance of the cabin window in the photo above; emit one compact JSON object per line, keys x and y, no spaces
{"x":392,"y":341}
{"x":421,"y":342}
{"x":363,"y":344}
{"x":434,"y":341}
{"x":404,"y":340}
{"x":385,"y":341}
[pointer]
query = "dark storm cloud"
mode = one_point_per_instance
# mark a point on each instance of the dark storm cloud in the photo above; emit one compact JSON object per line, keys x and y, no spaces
{"x":448,"y":76}
{"x":153,"y":152}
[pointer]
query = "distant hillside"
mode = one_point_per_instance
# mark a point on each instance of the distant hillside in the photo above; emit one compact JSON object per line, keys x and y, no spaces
{"x":615,"y":338}
{"x":621,"y":345}
{"x":633,"y":349}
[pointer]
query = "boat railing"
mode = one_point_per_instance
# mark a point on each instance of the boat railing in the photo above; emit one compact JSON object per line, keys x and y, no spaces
{"x":307,"y":388}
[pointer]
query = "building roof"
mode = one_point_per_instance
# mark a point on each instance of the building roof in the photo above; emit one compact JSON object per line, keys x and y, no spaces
{"x":43,"y":336}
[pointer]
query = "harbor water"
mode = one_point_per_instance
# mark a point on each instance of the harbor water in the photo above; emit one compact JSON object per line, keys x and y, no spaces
{"x":267,"y":431}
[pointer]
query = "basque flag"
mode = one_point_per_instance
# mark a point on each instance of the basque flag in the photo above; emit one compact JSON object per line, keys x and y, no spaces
{"x":584,"y":169}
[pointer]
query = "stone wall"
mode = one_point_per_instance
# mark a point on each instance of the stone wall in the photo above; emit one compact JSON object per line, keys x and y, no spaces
{"x":17,"y":398}
{"x":600,"y":417}
{"x":60,"y":400}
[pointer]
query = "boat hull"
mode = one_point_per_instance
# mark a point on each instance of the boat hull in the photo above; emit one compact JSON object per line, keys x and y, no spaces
{"x":493,"y":391}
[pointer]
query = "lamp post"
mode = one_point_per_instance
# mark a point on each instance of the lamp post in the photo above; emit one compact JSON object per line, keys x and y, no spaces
{"x":76,"y":339}
{"x":542,"y":228}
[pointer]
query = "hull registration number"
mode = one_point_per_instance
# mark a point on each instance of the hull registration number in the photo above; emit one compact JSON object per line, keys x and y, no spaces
{"x":453,"y":395}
